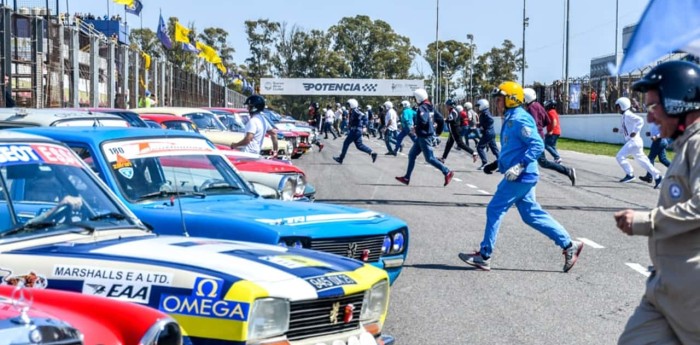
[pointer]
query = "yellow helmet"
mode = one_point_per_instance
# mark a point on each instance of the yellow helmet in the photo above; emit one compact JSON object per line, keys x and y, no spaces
{"x":512,"y":91}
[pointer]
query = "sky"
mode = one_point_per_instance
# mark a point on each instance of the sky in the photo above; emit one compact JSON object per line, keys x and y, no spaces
{"x":591,"y":24}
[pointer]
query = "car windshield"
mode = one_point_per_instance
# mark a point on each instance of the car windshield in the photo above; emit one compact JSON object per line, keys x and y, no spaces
{"x":180,"y":126}
{"x":206,"y":121}
{"x":45,"y":188}
{"x":162,"y":168}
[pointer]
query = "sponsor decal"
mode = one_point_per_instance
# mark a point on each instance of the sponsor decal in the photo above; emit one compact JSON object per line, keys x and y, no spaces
{"x":117,"y":275}
{"x":155,"y":147}
{"x":205,"y":301}
{"x":352,"y":250}
{"x":124,"y":167}
{"x":330,"y":281}
{"x":36,"y":153}
{"x":675,"y":190}
{"x":293,"y":261}
{"x":31,"y":279}
{"x":364,"y":87}
{"x":526,"y":132}
{"x":139,"y":293}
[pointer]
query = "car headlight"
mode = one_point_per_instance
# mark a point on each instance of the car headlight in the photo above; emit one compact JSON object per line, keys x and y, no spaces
{"x":394,"y":243}
{"x":293,"y":242}
{"x":269,"y":318}
{"x":163,"y":332}
{"x":286,"y":188}
{"x":375,"y":302}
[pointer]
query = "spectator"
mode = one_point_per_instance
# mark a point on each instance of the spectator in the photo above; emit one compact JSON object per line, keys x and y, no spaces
{"x":594,"y":100}
{"x":9,"y":101}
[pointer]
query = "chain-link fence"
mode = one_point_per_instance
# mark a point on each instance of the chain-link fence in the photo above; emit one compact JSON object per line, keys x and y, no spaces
{"x":56,"y":63}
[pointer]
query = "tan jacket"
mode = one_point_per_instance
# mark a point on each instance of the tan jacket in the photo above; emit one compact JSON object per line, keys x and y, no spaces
{"x":673,"y":228}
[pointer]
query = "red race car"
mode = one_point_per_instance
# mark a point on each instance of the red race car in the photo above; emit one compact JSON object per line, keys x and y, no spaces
{"x":38,"y":316}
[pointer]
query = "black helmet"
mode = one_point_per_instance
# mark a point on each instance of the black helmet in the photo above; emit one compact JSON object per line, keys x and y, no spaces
{"x":255,"y":103}
{"x":550,"y":104}
{"x":678,"y":84}
{"x":450,"y":102}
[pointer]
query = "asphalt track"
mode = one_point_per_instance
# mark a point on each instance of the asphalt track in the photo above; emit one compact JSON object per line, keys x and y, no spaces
{"x":525,"y":299}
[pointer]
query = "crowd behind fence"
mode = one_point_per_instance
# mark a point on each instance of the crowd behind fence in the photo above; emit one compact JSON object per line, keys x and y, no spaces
{"x":51,"y":62}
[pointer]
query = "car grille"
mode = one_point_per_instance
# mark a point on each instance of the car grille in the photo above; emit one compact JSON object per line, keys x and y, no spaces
{"x":314,"y":318}
{"x":351,"y":247}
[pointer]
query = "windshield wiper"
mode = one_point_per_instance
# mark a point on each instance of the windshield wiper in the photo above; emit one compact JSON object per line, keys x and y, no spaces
{"x":163,"y":194}
{"x":27,"y":227}
{"x":108,"y":215}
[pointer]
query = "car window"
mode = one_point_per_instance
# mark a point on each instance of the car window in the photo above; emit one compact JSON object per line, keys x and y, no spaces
{"x":180,"y":126}
{"x":205,"y":121}
{"x":90,"y":122}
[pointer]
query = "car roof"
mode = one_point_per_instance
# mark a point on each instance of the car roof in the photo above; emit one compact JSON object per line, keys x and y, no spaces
{"x":229,"y":110}
{"x":179,"y":111}
{"x":164,"y":118}
{"x":100,"y":134}
{"x":9,"y":136}
{"x":46,"y":117}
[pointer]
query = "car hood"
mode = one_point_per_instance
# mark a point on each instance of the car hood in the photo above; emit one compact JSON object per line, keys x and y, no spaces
{"x":299,"y":219}
{"x":272,"y":268}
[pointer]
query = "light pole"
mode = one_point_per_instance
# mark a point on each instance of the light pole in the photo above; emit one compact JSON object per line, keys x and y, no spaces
{"x":470,"y":37}
{"x":525,"y":23}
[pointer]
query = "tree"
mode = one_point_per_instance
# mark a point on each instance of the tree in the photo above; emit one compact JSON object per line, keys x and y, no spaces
{"x":371,"y":48}
{"x":261,"y":38}
{"x":454,"y":59}
{"x":496,"y":66}
{"x":146,"y":41}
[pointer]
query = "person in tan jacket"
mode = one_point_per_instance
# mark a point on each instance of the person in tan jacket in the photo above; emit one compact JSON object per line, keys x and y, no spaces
{"x":669,"y":312}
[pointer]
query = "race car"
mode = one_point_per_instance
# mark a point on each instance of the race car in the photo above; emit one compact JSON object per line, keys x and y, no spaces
{"x":180,"y":184}
{"x":61,"y":228}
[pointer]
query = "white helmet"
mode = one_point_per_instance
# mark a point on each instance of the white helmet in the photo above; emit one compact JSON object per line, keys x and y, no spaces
{"x":468,"y":105}
{"x":530,"y":95}
{"x":352,"y":103}
{"x":482,"y":104}
{"x":342,"y":108}
{"x":624,"y":103}
{"x":369,"y":107}
{"x":406,"y":104}
{"x":337,"y":105}
{"x":420,"y":95}
{"x":388,"y":105}
{"x":459,"y":108}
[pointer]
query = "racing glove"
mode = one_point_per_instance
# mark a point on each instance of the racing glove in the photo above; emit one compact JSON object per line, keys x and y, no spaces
{"x":513,"y":172}
{"x":491,"y":167}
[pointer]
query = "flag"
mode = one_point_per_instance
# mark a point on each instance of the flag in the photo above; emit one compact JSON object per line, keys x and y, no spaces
{"x":181,"y":33}
{"x":125,"y":2}
{"x":666,"y":26}
{"x":188,"y":47}
{"x":163,"y":34}
{"x":208,"y":53}
{"x":146,"y":60}
{"x":222,"y":68}
{"x":135,"y":8}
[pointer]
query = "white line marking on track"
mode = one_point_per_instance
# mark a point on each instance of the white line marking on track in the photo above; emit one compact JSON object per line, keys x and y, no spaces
{"x":471,"y":186}
{"x":456,"y":179}
{"x":590,"y":243}
{"x":483,"y":191}
{"x":639,"y":268}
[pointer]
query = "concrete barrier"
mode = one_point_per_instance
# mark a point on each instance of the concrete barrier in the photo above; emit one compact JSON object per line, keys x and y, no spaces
{"x":594,"y":127}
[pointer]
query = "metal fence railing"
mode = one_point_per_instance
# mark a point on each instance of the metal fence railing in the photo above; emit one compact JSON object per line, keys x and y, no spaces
{"x":56,"y":63}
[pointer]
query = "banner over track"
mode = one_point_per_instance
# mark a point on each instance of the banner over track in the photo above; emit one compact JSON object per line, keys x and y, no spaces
{"x":338,"y":87}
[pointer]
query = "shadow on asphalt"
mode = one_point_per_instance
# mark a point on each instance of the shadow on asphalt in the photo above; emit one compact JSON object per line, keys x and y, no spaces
{"x":469,"y":204}
{"x":444,"y":267}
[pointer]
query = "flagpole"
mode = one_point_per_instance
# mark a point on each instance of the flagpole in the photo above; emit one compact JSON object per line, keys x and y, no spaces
{"x":108,"y":9}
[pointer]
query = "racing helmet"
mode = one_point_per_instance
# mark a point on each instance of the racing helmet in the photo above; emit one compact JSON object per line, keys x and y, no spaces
{"x":530,"y":95}
{"x":450,"y":102}
{"x":388,"y":105}
{"x":406,"y":104}
{"x":420,"y":94}
{"x":459,"y":108}
{"x":678,"y":84}
{"x":369,"y":107}
{"x":624,"y":103}
{"x":482,"y":104}
{"x":512,"y":92}
{"x":550,"y":104}
{"x":352,"y":103}
{"x":468,"y":105}
{"x":255,"y":103}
